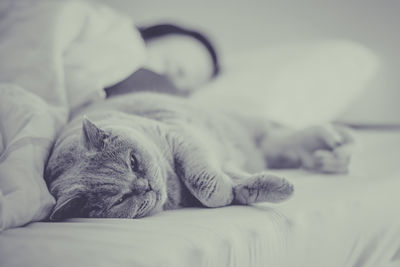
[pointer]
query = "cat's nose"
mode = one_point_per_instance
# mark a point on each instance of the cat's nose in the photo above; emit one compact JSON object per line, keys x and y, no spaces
{"x":140,"y":186}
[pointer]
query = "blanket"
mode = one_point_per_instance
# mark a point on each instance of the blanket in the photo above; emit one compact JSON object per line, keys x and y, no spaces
{"x":55,"y":57}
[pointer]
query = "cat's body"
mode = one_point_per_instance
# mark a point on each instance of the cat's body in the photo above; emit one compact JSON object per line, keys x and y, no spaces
{"x":144,"y":152}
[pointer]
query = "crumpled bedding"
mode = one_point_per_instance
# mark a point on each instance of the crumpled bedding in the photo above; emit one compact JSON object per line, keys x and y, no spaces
{"x":333,"y":220}
{"x":56,"y":56}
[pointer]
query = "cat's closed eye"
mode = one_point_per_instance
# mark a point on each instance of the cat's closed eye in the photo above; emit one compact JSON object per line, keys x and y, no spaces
{"x":134,"y":163}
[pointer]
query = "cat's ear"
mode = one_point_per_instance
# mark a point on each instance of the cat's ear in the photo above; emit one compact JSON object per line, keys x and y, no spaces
{"x":68,"y":208}
{"x":92,"y":136}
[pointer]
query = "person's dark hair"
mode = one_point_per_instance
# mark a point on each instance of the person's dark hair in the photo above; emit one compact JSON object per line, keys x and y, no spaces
{"x":160,"y":30}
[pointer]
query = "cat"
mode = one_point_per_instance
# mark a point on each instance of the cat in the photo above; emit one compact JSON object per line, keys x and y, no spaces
{"x":134,"y":155}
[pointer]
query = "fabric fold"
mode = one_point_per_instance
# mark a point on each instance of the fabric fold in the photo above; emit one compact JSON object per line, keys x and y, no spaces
{"x":55,"y":56}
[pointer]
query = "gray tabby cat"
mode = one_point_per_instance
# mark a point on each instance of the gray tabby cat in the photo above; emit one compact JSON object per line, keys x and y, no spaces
{"x":143,"y":153}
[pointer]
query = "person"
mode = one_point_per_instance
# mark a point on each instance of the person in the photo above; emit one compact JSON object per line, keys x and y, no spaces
{"x":179,"y":61}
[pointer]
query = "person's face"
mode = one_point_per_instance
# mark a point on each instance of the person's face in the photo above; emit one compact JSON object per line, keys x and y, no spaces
{"x":182,"y":58}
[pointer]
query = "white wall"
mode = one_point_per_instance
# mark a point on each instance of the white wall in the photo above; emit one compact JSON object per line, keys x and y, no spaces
{"x":239,"y":24}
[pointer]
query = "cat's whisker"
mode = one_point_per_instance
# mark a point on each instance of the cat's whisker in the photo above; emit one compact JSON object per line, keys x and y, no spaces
{"x":142,"y":208}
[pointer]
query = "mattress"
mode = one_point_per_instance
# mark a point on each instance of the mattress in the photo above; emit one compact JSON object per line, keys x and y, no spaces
{"x":332,"y":220}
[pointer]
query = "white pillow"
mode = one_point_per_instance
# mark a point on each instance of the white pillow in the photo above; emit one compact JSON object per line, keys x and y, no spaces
{"x":297,"y":84}
{"x":76,"y":50}
{"x":27,"y":127}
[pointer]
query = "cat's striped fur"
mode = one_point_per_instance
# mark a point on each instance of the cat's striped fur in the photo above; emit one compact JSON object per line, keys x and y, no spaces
{"x":142,"y":153}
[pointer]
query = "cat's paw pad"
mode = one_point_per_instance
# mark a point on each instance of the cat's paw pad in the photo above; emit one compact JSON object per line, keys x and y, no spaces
{"x":263,"y":187}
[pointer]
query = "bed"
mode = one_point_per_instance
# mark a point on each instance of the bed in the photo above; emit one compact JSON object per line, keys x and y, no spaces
{"x":332,"y":220}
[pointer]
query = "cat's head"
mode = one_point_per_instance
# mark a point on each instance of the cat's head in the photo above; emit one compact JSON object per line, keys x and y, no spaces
{"x":110,"y":172}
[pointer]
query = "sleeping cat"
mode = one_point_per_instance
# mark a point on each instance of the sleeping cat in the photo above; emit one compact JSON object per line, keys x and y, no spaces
{"x":138,"y":154}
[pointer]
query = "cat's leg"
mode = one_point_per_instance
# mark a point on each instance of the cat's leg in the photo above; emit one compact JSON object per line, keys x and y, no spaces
{"x":199,"y":169}
{"x":324,"y":149}
{"x":261,"y":187}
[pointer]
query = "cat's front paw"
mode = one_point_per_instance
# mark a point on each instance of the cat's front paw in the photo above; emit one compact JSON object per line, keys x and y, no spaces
{"x":326,"y":149}
{"x":262,"y":187}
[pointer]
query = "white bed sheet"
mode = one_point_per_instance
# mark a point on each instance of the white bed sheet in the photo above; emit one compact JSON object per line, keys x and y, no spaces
{"x":332,"y":220}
